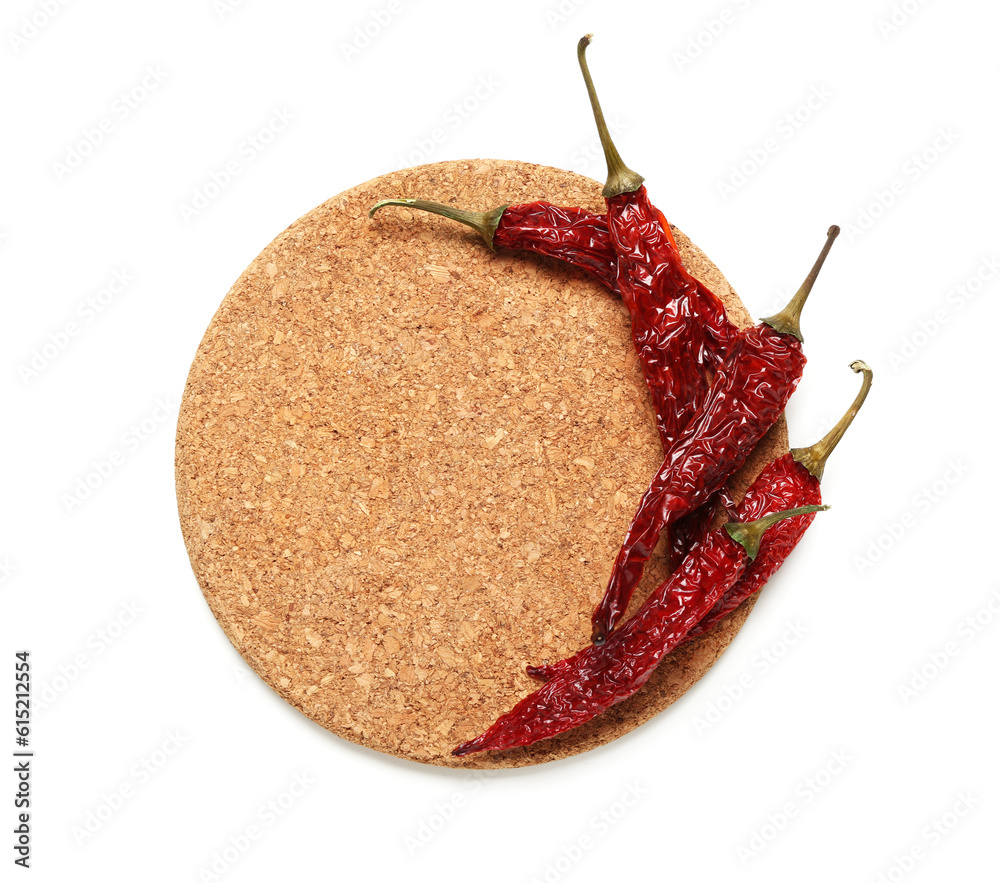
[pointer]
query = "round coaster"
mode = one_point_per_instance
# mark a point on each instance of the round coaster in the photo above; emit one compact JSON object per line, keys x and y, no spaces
{"x":405,"y":465}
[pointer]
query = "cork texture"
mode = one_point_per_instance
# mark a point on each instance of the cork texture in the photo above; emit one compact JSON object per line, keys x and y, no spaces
{"x":405,"y":465}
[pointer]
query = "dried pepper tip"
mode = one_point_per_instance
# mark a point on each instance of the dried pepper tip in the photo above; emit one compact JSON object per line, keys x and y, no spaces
{"x":787,"y":321}
{"x":484,"y":223}
{"x":814,"y":457}
{"x":621,"y":179}
{"x":748,"y":534}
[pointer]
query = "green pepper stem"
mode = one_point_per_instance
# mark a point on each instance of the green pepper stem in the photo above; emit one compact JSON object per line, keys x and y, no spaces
{"x":484,"y":223}
{"x":621,"y":179}
{"x":815,"y":456}
{"x":787,"y":321}
{"x":748,"y":534}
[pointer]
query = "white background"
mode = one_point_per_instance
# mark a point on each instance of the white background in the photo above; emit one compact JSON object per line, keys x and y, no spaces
{"x":808,"y":752}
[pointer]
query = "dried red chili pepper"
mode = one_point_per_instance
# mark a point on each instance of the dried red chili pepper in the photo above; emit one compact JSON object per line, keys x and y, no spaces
{"x":664,"y":327}
{"x":679,"y":328}
{"x":786,"y":482}
{"x":597,"y":677}
{"x":790,"y":480}
{"x":573,"y":235}
{"x":748,"y":394}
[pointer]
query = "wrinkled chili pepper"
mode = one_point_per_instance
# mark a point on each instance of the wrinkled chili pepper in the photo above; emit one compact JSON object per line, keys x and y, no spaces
{"x":789,"y":480}
{"x":573,"y":235}
{"x":597,"y":677}
{"x":748,"y":394}
{"x":583,"y":240}
{"x":679,"y":327}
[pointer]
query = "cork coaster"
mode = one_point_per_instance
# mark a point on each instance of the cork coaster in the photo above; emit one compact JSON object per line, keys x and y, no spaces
{"x":405,"y":465}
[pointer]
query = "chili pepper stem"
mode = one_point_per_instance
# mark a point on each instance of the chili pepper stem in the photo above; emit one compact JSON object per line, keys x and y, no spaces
{"x":787,"y":321}
{"x":621,"y":179}
{"x":748,"y":534}
{"x":815,"y":456}
{"x":484,"y":223}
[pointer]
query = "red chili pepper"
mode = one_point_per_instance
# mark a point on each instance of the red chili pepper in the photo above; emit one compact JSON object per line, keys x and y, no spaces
{"x":786,"y":482}
{"x":573,"y":235}
{"x":597,"y":677}
{"x":690,"y":529}
{"x":679,"y":327}
{"x":790,"y":480}
{"x":748,"y":394}
{"x":677,"y":355}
